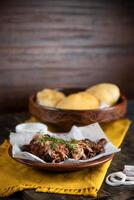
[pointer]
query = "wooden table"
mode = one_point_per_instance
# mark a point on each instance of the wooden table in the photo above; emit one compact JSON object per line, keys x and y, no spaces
{"x":126,"y":156}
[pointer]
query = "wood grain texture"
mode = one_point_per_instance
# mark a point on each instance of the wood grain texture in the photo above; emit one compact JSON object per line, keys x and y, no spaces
{"x":55,"y":43}
{"x":64,"y":119}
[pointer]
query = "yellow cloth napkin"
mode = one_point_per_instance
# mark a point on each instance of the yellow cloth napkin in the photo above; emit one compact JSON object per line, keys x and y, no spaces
{"x":15,"y":176}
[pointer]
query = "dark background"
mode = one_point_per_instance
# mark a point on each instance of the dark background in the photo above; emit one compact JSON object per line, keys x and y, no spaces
{"x":64,"y":43}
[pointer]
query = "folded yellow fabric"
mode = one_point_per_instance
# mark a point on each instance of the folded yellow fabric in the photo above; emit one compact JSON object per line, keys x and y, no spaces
{"x":15,"y":176}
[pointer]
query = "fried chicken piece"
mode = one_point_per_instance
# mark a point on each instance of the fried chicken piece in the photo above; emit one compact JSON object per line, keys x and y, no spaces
{"x":48,"y":149}
{"x":85,"y":149}
{"x":54,"y":150}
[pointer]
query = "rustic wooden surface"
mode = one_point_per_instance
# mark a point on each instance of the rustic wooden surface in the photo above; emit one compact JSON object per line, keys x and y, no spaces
{"x":58,"y":43}
{"x":126,"y":156}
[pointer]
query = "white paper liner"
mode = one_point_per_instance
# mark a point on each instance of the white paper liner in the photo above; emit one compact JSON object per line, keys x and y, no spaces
{"x":92,"y":132}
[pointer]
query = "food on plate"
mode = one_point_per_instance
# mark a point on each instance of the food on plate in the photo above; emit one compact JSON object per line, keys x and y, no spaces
{"x":79,"y":101}
{"x":105,"y":92}
{"x":55,"y":150}
{"x":49,"y":97}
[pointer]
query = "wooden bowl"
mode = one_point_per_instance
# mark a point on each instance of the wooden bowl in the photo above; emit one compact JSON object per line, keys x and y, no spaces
{"x":62,"y":167}
{"x":61,"y":119}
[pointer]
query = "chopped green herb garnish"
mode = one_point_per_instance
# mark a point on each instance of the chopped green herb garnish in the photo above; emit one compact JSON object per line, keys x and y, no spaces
{"x":53,"y":146}
{"x":73,"y":141}
{"x":71,"y":144}
{"x":72,"y":147}
{"x":55,"y":140}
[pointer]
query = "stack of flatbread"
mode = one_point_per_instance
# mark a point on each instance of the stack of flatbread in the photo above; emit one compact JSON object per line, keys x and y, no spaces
{"x":91,"y":98}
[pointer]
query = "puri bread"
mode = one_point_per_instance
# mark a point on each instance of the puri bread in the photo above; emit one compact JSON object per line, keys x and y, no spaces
{"x":105,"y":92}
{"x":79,"y":101}
{"x":49,"y":97}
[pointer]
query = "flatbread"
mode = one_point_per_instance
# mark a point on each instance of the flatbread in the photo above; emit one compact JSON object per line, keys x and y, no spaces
{"x":79,"y":101}
{"x":49,"y":97}
{"x":106,"y":92}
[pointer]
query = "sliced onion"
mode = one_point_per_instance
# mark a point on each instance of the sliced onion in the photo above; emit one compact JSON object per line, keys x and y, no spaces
{"x":111,"y":180}
{"x":130,"y":178}
{"x":128,"y":183}
{"x":129,"y":168}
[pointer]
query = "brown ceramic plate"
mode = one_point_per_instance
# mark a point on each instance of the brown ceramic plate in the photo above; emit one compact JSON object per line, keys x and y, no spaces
{"x":64,"y":119}
{"x":61,"y":167}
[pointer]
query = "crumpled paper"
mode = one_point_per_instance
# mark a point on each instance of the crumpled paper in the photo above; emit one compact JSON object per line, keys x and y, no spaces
{"x":92,"y":132}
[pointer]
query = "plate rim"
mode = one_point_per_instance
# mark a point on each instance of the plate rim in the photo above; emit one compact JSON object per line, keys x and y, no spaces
{"x":61,"y":167}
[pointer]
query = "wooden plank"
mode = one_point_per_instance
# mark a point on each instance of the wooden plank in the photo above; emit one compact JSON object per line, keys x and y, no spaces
{"x":92,"y":59}
{"x":63,"y":34}
{"x":15,"y":96}
{"x":62,"y":77}
{"x":63,"y":44}
{"x":66,"y":24}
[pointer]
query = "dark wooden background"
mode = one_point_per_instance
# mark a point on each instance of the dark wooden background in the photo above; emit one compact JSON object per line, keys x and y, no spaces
{"x":64,"y":43}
